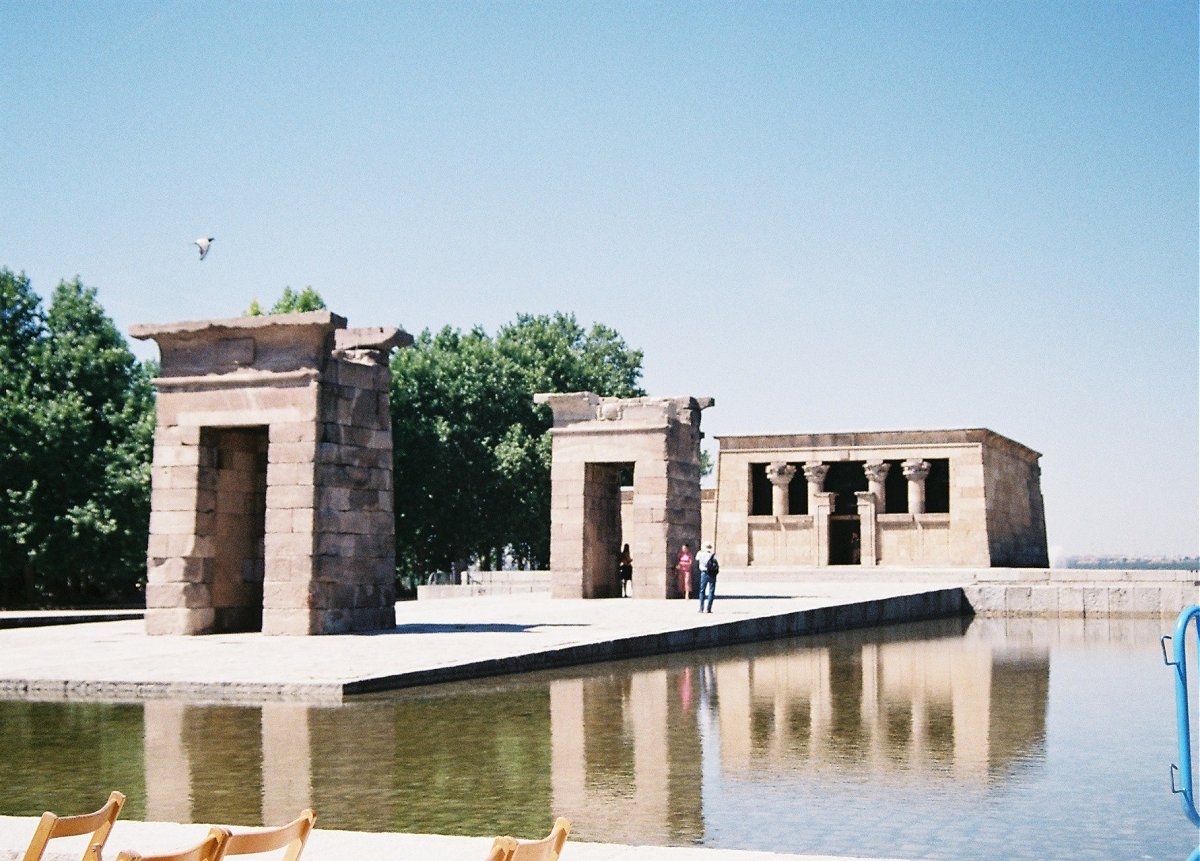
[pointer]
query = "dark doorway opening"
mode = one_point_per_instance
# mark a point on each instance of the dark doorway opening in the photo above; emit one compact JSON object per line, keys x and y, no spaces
{"x":798,"y":491}
{"x":937,"y":486}
{"x":236,"y":472}
{"x":895,"y":489}
{"x":846,"y":478}
{"x":760,"y":490}
{"x":845,"y":537}
{"x":602,"y":533}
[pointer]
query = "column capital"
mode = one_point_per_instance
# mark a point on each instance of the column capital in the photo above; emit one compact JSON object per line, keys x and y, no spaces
{"x":815,"y":472}
{"x":915,"y":469}
{"x":780,"y":473}
{"x":876,"y":470}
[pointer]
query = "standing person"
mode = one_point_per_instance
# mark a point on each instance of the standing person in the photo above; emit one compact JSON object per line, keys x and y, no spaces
{"x":626,"y":568}
{"x":684,"y":567}
{"x":706,"y":561}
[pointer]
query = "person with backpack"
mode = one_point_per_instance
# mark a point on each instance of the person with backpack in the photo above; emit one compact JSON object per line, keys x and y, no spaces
{"x":709,"y":567}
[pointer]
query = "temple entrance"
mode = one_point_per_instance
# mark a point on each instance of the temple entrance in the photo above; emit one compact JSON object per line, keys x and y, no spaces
{"x":595,"y":443}
{"x":845,"y":540}
{"x":602,"y":531}
{"x":232,"y":505}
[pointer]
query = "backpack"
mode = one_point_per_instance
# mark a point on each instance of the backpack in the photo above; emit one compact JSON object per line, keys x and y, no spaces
{"x":712,"y":567}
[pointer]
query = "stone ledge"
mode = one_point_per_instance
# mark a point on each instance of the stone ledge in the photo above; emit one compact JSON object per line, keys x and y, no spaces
{"x":935,"y":604}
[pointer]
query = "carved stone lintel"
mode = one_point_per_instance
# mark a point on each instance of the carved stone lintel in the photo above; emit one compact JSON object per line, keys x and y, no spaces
{"x":815,"y":472}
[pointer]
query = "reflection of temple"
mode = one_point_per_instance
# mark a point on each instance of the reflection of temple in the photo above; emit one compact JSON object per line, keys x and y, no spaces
{"x":892,"y":707}
{"x":196,"y":757}
{"x":620,"y":749}
{"x":627,"y":756}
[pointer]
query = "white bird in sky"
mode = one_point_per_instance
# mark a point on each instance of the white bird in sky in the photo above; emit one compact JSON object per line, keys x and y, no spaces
{"x":204,"y":243}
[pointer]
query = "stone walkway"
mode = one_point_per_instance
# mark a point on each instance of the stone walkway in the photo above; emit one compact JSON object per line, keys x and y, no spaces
{"x":436,"y":641}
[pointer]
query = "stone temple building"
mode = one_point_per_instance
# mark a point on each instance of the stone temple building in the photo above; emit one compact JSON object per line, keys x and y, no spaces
{"x":944,"y":498}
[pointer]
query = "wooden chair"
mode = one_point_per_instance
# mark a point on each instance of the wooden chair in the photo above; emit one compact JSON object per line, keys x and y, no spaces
{"x":546,"y":849}
{"x":291,"y":837}
{"x":208,"y":849}
{"x":99,"y":824}
{"x":502,"y":849}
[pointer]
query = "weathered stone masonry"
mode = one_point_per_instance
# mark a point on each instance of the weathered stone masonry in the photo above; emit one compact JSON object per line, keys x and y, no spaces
{"x":271,"y":503}
{"x":594,"y":440}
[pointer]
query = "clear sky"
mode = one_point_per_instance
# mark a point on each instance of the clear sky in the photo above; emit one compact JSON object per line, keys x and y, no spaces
{"x":826,"y":215}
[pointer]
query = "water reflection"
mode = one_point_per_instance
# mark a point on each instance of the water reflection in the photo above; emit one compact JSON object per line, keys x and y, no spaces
{"x":622,"y":748}
{"x":946,"y":704}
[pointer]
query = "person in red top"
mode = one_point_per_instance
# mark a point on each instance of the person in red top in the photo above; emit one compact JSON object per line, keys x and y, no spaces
{"x":684,"y":567}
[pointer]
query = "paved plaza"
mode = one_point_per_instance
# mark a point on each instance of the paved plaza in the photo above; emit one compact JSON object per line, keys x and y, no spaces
{"x":434,"y":641}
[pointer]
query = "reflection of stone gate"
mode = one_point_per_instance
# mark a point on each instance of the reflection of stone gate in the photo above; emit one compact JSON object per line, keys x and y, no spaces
{"x":271,"y":505}
{"x":596,"y":439}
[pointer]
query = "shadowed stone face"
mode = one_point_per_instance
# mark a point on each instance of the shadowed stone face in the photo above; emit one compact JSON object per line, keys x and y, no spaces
{"x":271,"y":502}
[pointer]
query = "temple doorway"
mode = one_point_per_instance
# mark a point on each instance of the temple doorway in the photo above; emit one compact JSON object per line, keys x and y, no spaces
{"x":602,"y":528}
{"x":233,"y":487}
{"x":845,"y":540}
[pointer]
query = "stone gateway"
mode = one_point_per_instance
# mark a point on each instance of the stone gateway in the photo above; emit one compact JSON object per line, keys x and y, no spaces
{"x":597,"y":444}
{"x":271,"y":500}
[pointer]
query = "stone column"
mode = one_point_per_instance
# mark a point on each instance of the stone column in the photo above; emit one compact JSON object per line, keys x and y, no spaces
{"x":821,"y":506}
{"x":916,"y":471}
{"x":814,"y":474}
{"x":876,"y":471}
{"x":868,"y":507}
{"x":780,"y":475}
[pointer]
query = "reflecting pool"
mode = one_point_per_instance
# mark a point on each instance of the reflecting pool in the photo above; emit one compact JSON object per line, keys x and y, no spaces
{"x":956,"y":739}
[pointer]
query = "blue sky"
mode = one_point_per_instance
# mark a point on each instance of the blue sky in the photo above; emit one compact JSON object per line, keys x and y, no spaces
{"x":828,"y":216}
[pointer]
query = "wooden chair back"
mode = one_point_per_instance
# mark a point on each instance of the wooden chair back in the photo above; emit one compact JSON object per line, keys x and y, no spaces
{"x":546,"y":849}
{"x":502,"y":849}
{"x":98,"y":824}
{"x":291,"y":837}
{"x":208,"y":849}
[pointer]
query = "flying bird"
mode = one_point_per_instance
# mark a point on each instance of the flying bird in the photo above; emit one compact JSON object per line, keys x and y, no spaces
{"x":204,"y":244}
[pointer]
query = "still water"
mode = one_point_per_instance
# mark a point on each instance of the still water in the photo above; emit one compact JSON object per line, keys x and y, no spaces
{"x":957,"y":739}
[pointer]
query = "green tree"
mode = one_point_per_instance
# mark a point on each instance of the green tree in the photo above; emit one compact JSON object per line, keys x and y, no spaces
{"x":472,"y":452}
{"x":290,"y":302}
{"x":76,"y":428}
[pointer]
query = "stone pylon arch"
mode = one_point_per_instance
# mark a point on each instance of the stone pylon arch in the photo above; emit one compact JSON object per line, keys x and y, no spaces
{"x":595,"y":440}
{"x":271,"y":493}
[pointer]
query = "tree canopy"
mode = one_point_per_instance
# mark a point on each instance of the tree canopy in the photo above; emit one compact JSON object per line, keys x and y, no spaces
{"x":291,"y":302}
{"x":76,"y":429}
{"x":471,"y":449}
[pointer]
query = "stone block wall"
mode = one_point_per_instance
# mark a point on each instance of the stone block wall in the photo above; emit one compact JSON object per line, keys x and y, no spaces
{"x":1016,"y":521}
{"x":594,"y":438}
{"x":271,"y":501}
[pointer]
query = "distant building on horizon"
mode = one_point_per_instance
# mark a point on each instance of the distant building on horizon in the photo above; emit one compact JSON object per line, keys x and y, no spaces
{"x":934,"y":498}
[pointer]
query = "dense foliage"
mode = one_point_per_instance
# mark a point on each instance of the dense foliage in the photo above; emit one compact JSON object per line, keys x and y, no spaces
{"x":291,"y":302}
{"x":76,"y":430}
{"x":472,"y":452}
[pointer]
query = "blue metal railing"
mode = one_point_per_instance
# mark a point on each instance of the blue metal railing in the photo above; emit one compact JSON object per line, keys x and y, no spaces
{"x":1186,"y":787}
